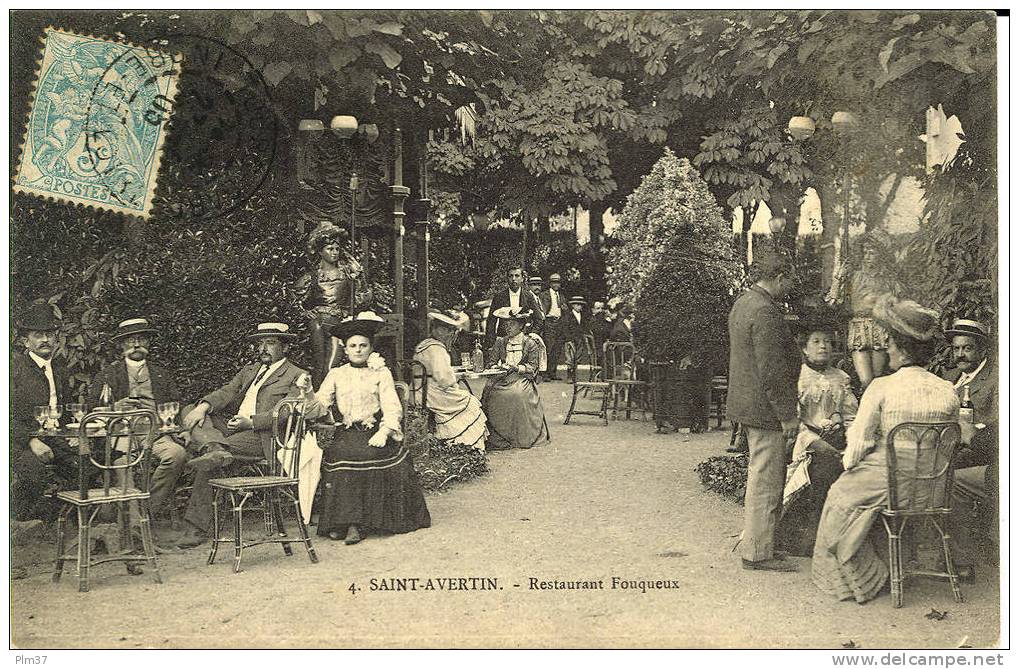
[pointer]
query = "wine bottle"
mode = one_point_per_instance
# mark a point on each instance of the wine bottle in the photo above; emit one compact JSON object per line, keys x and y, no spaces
{"x":478,"y":362}
{"x":966,"y":407}
{"x":106,"y":396}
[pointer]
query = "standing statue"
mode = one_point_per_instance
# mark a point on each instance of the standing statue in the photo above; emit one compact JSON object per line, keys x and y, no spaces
{"x":333,"y":291}
{"x":874,"y":277}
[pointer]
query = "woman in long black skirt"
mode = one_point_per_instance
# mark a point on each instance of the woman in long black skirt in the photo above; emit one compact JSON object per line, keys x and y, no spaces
{"x":369,"y":480}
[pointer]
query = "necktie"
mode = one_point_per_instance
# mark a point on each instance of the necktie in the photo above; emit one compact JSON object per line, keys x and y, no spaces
{"x":47,"y":369}
{"x":258,"y":377}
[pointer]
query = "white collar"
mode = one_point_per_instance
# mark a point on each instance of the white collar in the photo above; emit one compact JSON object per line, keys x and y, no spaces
{"x":272,"y":368}
{"x":134,"y":364}
{"x":42,"y":362}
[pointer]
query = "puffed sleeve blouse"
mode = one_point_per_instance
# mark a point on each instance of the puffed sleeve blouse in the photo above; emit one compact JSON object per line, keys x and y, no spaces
{"x":359,"y":394}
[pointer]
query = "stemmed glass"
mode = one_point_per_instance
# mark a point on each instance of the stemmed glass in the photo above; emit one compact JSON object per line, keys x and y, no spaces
{"x":55,"y":411}
{"x":42,"y":415}
{"x":167,"y":412}
{"x":77,"y":410}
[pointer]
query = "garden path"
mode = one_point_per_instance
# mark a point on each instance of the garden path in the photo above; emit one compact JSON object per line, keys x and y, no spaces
{"x":594,"y":503}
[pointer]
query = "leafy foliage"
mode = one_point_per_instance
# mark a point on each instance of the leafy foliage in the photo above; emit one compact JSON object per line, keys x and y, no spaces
{"x":726,"y":475}
{"x":675,"y":263}
{"x":439,"y":463}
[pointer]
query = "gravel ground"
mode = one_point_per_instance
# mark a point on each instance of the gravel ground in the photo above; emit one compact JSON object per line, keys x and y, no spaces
{"x":595,"y":503}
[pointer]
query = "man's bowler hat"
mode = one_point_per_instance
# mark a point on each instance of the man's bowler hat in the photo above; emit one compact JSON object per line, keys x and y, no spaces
{"x":38,"y":317}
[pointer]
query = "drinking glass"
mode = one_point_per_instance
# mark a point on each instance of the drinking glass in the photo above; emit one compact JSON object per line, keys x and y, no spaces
{"x":42,"y":415}
{"x":55,"y":412}
{"x":77,"y":409}
{"x":174,"y":408}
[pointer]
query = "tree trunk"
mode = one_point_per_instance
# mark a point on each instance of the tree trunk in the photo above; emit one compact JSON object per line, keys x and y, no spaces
{"x":831,"y":222}
{"x":525,"y":251}
{"x":544,"y":231}
{"x":597,"y":223}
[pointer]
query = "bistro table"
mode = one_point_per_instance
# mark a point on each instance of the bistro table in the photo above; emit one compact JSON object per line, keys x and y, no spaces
{"x":466,"y":375}
{"x":106,"y":532}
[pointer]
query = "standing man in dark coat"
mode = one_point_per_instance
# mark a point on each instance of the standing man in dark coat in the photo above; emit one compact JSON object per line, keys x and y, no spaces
{"x":763,"y":371}
{"x":514,"y":295}
{"x":622,"y":328}
{"x":38,"y":378}
{"x":553,"y":306}
{"x":135,"y":377}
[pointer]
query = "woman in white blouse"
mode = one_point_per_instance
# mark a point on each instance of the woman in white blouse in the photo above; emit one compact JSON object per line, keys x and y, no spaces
{"x":516,"y":418}
{"x":368,"y":475}
{"x":845,"y":564}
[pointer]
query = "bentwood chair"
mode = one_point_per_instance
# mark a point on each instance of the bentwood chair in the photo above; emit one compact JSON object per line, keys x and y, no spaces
{"x":288,"y":431}
{"x":123,"y":462}
{"x":598,"y":390}
{"x":588,"y":349}
{"x":920,"y":487}
{"x":622,"y":375}
{"x":415,"y":375}
{"x":403,"y":391}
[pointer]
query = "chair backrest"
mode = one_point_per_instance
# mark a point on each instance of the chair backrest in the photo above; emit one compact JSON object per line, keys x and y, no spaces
{"x":620,"y":361}
{"x":587,"y":339}
{"x":403,"y":392}
{"x":919,"y":458}
{"x":288,"y":428}
{"x":415,"y":375}
{"x":127,"y":438}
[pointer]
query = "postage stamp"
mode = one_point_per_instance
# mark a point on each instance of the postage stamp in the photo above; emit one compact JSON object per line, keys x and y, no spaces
{"x":97,"y":122}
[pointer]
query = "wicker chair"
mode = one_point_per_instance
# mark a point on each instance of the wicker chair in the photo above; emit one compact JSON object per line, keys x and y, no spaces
{"x":124,"y":464}
{"x":621,"y":365}
{"x":287,"y":437}
{"x":601,"y":389}
{"x":922,"y":490}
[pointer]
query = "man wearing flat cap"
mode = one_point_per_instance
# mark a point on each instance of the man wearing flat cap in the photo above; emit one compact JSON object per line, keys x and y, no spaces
{"x":976,"y":371}
{"x":38,"y":378}
{"x":235,"y":422}
{"x":134,"y":377}
{"x":553,"y":304}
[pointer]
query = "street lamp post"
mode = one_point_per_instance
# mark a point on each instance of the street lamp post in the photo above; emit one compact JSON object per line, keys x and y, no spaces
{"x":399,"y":193}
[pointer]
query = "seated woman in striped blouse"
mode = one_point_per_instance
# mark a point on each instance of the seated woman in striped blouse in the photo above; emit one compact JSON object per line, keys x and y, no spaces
{"x":845,"y":564}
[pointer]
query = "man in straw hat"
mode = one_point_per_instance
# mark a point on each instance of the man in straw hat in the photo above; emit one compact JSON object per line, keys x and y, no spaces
{"x":133,"y":377}
{"x":576,"y":323}
{"x":977,"y":371}
{"x":763,"y":371}
{"x":38,"y":379}
{"x":236,"y":420}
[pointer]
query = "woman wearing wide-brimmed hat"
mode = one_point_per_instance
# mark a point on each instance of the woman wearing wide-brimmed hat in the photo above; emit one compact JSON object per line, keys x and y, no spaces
{"x":330,"y":293}
{"x":458,"y":414}
{"x":511,"y":402}
{"x":845,"y":564}
{"x":369,"y":480}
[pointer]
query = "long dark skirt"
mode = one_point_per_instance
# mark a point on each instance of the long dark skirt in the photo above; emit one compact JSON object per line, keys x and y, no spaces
{"x":798,"y":528}
{"x":374,"y":488}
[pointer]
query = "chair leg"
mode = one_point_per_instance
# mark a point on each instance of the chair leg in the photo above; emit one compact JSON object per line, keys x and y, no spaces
{"x":277,"y":512}
{"x":573,"y":403}
{"x":147,"y":543}
{"x":84,"y":547}
{"x":953,"y":575}
{"x":303,"y":529}
{"x":267,"y":512}
{"x":215,"y":527}
{"x":238,"y":528}
{"x":895,"y":562}
{"x":58,"y":565}
{"x":605,"y":407}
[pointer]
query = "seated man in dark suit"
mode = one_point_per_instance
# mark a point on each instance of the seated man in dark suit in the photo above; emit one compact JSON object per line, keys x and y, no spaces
{"x":235,"y":422}
{"x":976,"y":371}
{"x":37,"y":379}
{"x":134,"y":377}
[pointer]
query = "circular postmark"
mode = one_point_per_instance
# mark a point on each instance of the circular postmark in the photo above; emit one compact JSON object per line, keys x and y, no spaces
{"x":217,"y":134}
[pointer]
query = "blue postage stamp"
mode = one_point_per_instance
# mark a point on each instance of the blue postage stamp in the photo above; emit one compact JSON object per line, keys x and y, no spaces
{"x":97,"y":121}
